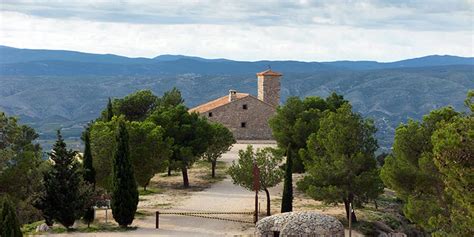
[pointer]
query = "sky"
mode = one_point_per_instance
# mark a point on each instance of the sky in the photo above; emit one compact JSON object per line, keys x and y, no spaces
{"x":305,"y":30}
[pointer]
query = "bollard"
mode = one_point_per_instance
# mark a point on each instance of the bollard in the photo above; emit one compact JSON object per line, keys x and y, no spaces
{"x":157,"y":224}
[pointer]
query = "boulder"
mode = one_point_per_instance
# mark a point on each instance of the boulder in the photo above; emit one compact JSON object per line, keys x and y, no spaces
{"x":42,"y":228}
{"x":302,"y":224}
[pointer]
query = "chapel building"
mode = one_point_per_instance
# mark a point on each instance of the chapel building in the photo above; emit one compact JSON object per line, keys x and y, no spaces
{"x":246,"y":115}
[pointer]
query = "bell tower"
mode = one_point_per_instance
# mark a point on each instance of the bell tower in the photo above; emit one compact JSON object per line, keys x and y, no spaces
{"x":269,"y":87}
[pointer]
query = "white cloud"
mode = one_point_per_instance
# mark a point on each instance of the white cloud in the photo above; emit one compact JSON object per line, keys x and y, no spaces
{"x":304,"y":30}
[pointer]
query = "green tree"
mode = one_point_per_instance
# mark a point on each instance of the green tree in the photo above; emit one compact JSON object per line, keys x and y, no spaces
{"x":221,"y":141}
{"x":291,"y":126}
{"x":453,"y":148}
{"x":88,"y":168}
{"x":9,"y":225}
{"x":149,"y":150}
{"x":21,"y":166}
{"x":341,"y":162}
{"x":124,"y":194}
{"x":412,"y":173}
{"x":267,"y":161}
{"x":171,"y":98}
{"x":102,"y":139}
{"x":109,"y":113}
{"x":190,"y":135}
{"x":62,"y":198}
{"x":135,"y":106}
{"x":89,"y":177}
{"x":469,"y":100}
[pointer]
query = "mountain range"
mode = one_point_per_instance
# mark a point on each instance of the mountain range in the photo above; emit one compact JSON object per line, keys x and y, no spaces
{"x":49,"y":89}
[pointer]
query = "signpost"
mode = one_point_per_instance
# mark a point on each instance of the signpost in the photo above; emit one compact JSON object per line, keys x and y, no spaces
{"x":256,"y":187}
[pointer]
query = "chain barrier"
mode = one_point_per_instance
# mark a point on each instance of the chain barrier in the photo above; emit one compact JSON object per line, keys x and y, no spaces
{"x":203,"y":215}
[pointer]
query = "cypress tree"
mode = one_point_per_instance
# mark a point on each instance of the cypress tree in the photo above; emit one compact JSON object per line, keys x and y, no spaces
{"x":9,"y":225}
{"x":110,"y":111}
{"x":287,"y":199}
{"x":62,"y":199}
{"x":124,"y":191}
{"x":89,"y":171}
{"x":89,"y":177}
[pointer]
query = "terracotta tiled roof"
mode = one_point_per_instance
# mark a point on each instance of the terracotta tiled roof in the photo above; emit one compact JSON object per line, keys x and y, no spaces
{"x":269,"y":72}
{"x":216,"y":103}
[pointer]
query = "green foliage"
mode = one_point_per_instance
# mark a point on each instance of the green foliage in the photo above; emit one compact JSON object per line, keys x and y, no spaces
{"x":149,"y":150}
{"x":109,"y":113}
{"x":190,"y":135}
{"x":291,"y":126}
{"x":220,"y":142}
{"x":267,"y":161}
{"x":124,"y":194}
{"x":341,"y":163}
{"x":102,"y":136}
{"x":171,"y":98}
{"x":453,"y":148}
{"x":135,"y":106}
{"x":87,"y":162}
{"x":431,"y":171}
{"x":469,"y":100}
{"x":63,"y":197}
{"x":9,"y":225}
{"x":20,"y":166}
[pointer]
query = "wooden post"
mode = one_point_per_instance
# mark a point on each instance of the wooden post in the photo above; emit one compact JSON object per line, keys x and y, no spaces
{"x":106,"y":215}
{"x":157,"y":224}
{"x":255,"y":218}
{"x":350,"y":219}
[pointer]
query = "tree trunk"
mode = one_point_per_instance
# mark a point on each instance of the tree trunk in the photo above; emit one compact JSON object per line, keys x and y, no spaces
{"x":144,"y":188}
{"x":213,"y":168}
{"x":268,"y":202}
{"x":346,"y":205}
{"x":287,"y":199}
{"x":184,"y":170}
{"x":169,"y":171}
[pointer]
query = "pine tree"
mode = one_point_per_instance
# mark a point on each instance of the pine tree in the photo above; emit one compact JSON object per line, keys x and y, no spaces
{"x":124,"y":194}
{"x":89,"y":177}
{"x":9,"y":225}
{"x":287,"y":199}
{"x":110,"y":111}
{"x":62,"y":199}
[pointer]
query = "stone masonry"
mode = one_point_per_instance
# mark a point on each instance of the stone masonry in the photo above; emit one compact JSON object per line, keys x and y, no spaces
{"x":245,"y":115}
{"x":301,"y":224}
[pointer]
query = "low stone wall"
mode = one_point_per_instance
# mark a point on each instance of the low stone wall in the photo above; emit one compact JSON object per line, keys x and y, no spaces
{"x":302,"y":224}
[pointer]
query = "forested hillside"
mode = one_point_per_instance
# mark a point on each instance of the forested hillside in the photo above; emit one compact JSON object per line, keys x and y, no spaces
{"x":69,"y":89}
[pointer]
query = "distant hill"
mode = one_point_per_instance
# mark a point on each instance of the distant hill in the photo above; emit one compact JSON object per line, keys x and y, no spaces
{"x":433,"y":60}
{"x":60,"y":62}
{"x":53,"y":88}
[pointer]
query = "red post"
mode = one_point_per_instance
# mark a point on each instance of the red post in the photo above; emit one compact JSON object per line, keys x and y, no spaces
{"x":157,"y":224}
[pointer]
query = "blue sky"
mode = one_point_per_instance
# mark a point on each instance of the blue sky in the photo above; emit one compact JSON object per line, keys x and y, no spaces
{"x":244,"y":30}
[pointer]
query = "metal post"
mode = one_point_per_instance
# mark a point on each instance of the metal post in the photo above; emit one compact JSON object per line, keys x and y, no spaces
{"x":157,"y":224}
{"x":106,"y":215}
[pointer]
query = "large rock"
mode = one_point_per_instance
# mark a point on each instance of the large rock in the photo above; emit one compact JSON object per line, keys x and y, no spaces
{"x":303,"y":224}
{"x":42,"y":228}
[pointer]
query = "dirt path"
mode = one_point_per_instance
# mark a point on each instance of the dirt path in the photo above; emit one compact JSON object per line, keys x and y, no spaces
{"x":222,"y":196}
